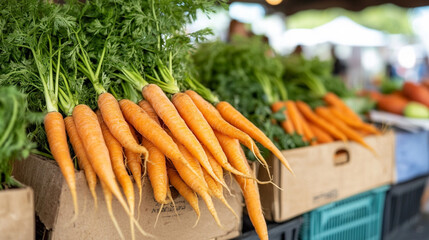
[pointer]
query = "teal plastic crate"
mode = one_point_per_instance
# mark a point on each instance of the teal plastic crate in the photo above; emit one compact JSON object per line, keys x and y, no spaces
{"x":355,"y":218}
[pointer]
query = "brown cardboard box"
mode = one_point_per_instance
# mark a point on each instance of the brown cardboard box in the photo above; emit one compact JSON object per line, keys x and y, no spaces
{"x":326,"y":173}
{"x":54,"y":207}
{"x":17,"y":214}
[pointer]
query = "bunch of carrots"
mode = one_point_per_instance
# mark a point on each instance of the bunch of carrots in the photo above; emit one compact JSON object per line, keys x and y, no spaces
{"x":324,"y":124}
{"x":177,"y":138}
{"x":185,"y":141}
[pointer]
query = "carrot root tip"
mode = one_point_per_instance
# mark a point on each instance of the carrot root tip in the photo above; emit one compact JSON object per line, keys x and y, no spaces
{"x":157,"y":215}
{"x":196,"y":222}
{"x":141,"y":230}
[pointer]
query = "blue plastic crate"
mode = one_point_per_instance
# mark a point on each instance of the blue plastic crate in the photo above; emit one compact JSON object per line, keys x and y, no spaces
{"x":355,"y":218}
{"x":411,"y":155}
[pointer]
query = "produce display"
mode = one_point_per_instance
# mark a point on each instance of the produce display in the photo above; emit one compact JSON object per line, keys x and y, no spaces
{"x":126,"y":92}
{"x":84,"y":66}
{"x":301,"y":95}
{"x":408,"y":99}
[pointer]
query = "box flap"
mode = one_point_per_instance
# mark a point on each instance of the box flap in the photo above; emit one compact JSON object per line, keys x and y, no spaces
{"x":17,"y":214}
{"x":45,"y":177}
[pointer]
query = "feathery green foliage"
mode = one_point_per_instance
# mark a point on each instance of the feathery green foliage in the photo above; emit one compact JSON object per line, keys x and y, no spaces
{"x":14,"y":143}
{"x":61,"y":55}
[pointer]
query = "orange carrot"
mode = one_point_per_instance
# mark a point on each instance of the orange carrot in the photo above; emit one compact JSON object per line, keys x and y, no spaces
{"x":217,"y":168}
{"x":294,"y":117}
{"x":145,"y":105}
{"x":234,"y":117}
{"x":320,"y":122}
{"x":321,"y":135}
{"x":187,"y":193}
{"x":202,"y":130}
{"x":191,"y":160}
{"x":198,"y":185}
{"x":287,"y":123}
{"x":57,"y":139}
{"x":334,"y":100}
{"x":157,"y":171}
{"x":83,"y":161}
{"x":308,"y":133}
{"x":156,"y":165}
{"x":216,"y":121}
{"x":92,"y":138}
{"x":392,"y":103}
{"x":117,"y":160}
{"x":152,"y":131}
{"x":194,"y":179}
{"x":215,"y":190}
{"x":134,"y":163}
{"x":350,"y":133}
{"x":169,"y":115}
{"x":362,"y":132}
{"x":416,"y":92}
{"x":116,"y":123}
{"x":118,"y":167}
{"x":249,"y":188}
{"x":352,"y":123}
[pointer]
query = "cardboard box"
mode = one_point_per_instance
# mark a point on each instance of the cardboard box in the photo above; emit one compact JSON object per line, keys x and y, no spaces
{"x":54,"y":207}
{"x":17,"y":214}
{"x":324,"y":174}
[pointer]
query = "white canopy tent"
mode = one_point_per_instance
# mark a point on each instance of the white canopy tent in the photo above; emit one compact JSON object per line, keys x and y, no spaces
{"x":340,"y":31}
{"x":344,"y":31}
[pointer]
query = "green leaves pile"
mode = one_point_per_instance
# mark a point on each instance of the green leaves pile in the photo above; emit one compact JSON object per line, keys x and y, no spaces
{"x":244,"y":74}
{"x":309,"y":79}
{"x":250,"y":76}
{"x":14,"y":144}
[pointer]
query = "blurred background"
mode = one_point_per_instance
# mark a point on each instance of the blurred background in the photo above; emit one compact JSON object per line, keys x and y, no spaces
{"x":367,"y":44}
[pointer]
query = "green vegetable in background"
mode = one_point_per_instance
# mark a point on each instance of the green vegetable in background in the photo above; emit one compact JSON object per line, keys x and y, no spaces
{"x":245,"y":74}
{"x":14,"y":143}
{"x":360,"y":105}
{"x":309,"y":79}
{"x":416,"y":110}
{"x":389,"y":86}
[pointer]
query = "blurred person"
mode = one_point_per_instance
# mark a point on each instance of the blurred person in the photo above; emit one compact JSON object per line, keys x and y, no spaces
{"x":339,"y":68}
{"x":270,"y":51}
{"x":297,"y":50}
{"x":391,"y":72}
{"x":237,"y":28}
{"x":424,"y":69}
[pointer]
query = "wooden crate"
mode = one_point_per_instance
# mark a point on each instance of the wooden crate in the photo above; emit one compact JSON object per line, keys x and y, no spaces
{"x":53,"y":204}
{"x":326,"y":173}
